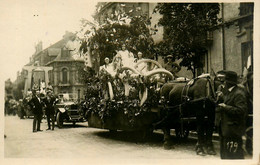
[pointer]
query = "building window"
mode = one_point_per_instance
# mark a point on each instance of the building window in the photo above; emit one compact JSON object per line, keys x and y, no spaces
{"x":64,"y":75}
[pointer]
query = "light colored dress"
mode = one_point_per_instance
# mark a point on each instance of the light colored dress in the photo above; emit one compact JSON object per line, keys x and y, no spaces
{"x":127,"y":58}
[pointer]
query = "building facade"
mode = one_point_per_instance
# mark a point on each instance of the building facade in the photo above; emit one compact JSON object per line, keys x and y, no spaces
{"x":62,"y":63}
{"x":65,"y":76}
{"x":107,"y":10}
{"x":232,"y":40}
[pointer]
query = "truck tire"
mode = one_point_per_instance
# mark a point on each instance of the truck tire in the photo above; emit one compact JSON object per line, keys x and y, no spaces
{"x":59,"y":120}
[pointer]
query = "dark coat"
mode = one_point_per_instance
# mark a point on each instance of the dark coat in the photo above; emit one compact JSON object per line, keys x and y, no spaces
{"x":233,"y":116}
{"x":36,"y":106}
{"x":49,"y":103}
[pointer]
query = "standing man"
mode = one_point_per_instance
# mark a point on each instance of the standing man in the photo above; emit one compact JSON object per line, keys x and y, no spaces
{"x":49,"y":102}
{"x":233,"y":118}
{"x":36,"y":106}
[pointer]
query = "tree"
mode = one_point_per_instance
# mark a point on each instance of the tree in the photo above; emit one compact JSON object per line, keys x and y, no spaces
{"x":185,"y":30}
{"x":104,"y":39}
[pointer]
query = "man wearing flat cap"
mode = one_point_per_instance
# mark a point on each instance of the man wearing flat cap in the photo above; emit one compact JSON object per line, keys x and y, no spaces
{"x":233,"y":112}
{"x":171,"y":66}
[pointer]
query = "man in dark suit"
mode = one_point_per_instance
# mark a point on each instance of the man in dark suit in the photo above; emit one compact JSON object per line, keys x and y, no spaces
{"x":233,"y":117}
{"x":49,"y":102}
{"x":36,"y":106}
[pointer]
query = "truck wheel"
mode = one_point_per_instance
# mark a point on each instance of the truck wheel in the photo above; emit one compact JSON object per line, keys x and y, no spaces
{"x":59,"y":120}
{"x":74,"y":123}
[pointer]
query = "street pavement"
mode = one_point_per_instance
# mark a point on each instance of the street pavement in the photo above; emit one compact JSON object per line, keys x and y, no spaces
{"x":81,"y":141}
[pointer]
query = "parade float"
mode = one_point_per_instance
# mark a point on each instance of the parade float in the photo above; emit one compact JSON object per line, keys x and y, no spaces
{"x":124,"y":95}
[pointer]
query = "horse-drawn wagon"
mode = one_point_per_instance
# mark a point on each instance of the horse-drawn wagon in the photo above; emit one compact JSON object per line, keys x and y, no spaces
{"x":134,"y":100}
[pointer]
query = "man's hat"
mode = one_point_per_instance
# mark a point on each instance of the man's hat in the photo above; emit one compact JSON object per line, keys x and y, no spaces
{"x":221,"y":73}
{"x":231,"y":77}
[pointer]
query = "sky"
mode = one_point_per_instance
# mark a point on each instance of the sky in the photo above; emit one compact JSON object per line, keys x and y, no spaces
{"x":24,"y":23}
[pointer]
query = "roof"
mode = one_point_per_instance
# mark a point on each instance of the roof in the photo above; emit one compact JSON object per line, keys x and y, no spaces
{"x":54,"y":51}
{"x":66,"y":58}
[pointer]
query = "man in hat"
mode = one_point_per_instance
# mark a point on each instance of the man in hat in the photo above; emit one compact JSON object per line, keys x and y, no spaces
{"x":233,"y":117}
{"x":172,"y":66}
{"x":37,"y":109}
{"x":49,"y":102}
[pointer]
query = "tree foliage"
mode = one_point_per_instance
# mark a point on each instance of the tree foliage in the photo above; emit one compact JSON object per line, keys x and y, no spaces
{"x":105,"y":38}
{"x":185,"y":30}
{"x":18,"y":90}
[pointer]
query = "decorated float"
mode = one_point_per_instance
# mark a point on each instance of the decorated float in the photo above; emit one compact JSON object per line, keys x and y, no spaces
{"x":124,"y":95}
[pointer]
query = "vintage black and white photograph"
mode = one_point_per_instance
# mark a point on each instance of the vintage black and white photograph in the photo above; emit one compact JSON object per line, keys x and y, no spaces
{"x":129,"y":82}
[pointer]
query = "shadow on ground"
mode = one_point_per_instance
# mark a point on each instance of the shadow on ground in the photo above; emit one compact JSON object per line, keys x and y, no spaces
{"x":70,"y":125}
{"x":155,"y":138}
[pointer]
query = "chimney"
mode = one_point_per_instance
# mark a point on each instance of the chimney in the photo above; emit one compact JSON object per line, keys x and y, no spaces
{"x":40,"y":46}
